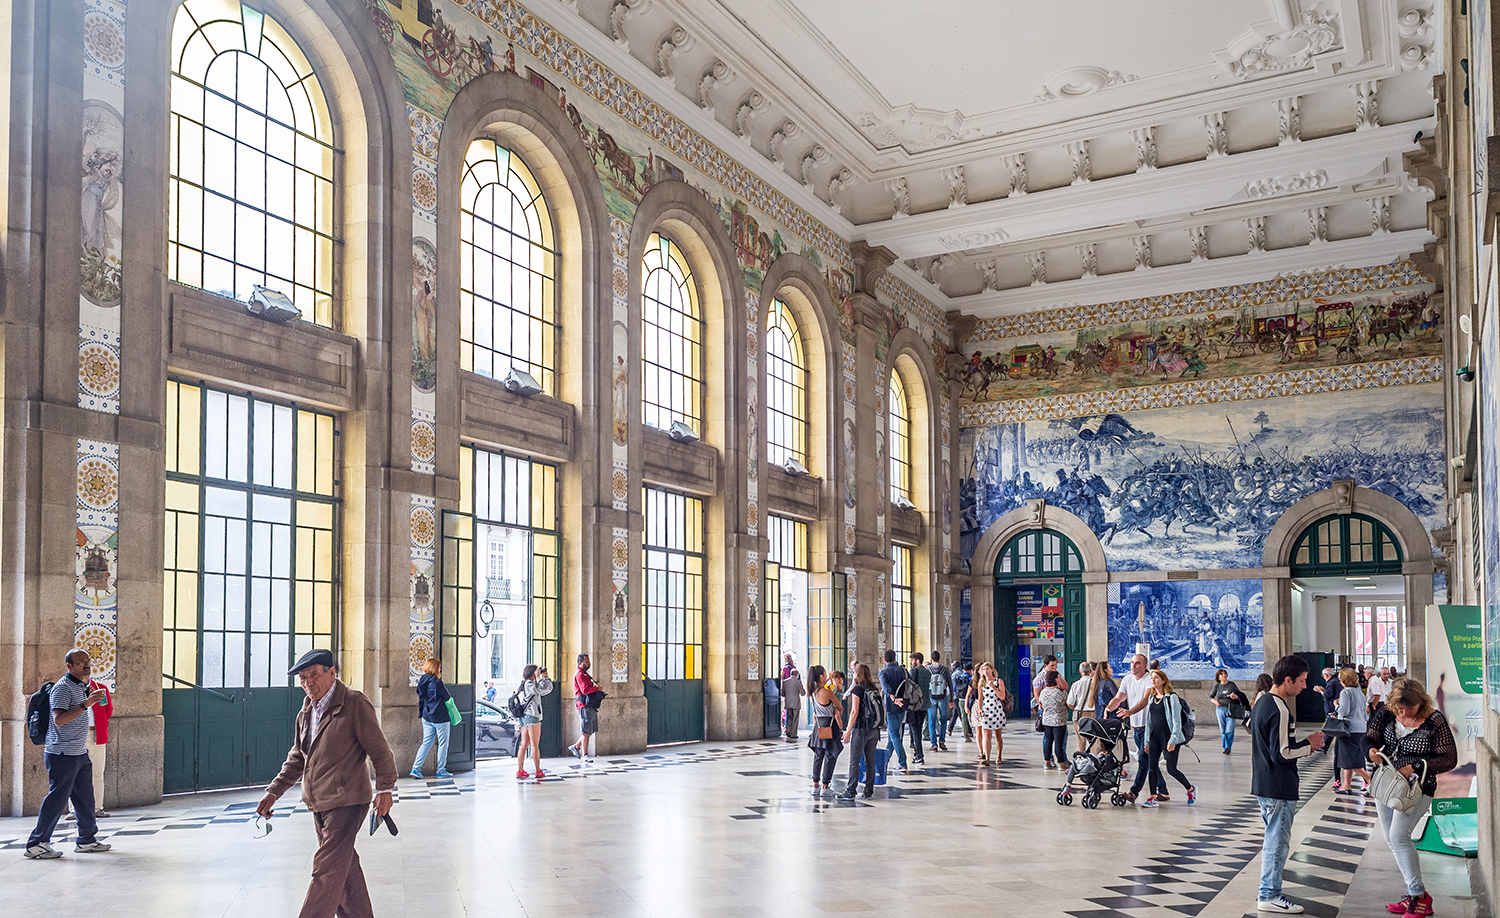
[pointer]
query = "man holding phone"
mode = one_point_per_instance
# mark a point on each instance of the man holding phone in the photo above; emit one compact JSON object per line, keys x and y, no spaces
{"x":70,"y":775}
{"x":337,"y":732}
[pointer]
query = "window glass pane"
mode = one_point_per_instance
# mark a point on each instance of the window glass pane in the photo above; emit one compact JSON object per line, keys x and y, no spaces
{"x":673,"y":571}
{"x":251,"y":160}
{"x":898,"y":438}
{"x":671,"y":333}
{"x":786,"y":388}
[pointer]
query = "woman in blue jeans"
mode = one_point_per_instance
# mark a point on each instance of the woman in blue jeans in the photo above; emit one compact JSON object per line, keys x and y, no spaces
{"x":1228,"y":702}
{"x":432,"y":706}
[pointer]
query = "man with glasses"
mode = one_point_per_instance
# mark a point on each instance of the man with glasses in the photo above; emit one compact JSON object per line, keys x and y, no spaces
{"x":70,"y":775}
{"x":337,"y":732}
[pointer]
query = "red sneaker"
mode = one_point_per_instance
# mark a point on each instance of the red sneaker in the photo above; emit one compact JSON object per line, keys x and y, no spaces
{"x":522,"y":773}
{"x":1421,"y":906}
{"x":540,"y":774}
{"x":1401,"y":906}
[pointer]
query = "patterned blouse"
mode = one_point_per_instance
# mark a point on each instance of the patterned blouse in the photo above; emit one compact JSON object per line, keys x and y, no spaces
{"x":1432,"y":741}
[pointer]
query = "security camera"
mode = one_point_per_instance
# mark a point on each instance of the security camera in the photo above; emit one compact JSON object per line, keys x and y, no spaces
{"x":1465,"y":373}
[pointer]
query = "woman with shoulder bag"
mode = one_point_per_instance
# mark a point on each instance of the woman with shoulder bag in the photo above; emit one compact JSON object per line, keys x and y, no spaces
{"x":1350,"y":753}
{"x":1054,"y":713}
{"x":827,"y":727}
{"x":1228,"y":707}
{"x":1409,"y":734}
{"x":990,"y":695}
{"x":432,"y":702}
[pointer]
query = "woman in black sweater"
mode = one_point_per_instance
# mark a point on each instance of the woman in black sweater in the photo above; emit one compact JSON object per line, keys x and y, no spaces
{"x":1407,"y":733}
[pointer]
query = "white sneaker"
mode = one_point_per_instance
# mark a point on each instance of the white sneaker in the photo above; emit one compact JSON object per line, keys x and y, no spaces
{"x":1280,"y":904}
{"x":42,"y":852}
{"x":93,"y":847}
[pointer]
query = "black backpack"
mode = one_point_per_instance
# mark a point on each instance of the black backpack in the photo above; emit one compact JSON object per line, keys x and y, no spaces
{"x":870,"y":713}
{"x":39,"y":714}
{"x":514,"y":704}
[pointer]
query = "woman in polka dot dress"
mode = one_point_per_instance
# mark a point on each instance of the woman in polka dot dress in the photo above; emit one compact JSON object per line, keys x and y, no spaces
{"x":989,"y":711}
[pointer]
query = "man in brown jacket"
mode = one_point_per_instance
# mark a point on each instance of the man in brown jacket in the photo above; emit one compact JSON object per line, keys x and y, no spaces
{"x":336,"y":732}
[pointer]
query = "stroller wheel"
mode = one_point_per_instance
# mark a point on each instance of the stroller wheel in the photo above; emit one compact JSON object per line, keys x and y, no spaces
{"x":1065,"y":799}
{"x":1090,"y":800}
{"x":1117,"y":799}
{"x":1060,"y":799}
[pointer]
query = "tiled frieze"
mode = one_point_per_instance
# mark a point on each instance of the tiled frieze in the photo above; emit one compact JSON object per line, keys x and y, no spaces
{"x":97,"y":530}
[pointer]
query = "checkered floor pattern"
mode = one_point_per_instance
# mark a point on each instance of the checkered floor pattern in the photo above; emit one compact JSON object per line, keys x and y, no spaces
{"x":1184,"y":878}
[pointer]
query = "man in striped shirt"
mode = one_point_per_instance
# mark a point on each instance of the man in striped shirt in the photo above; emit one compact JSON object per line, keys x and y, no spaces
{"x":69,"y":772}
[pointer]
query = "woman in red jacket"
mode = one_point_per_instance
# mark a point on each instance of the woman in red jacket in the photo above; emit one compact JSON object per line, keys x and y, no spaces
{"x":98,"y":735}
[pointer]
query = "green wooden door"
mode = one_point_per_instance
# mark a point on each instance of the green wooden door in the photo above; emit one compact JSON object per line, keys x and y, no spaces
{"x":674,"y":711}
{"x":1075,"y":630}
{"x":1007,"y":666}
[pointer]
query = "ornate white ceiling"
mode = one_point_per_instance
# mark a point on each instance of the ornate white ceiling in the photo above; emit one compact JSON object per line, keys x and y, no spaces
{"x":1017,"y":155}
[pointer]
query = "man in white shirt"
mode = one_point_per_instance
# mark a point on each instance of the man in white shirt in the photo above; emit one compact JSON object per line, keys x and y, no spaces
{"x":1135,"y":691}
{"x":1081,"y":707}
{"x":1379,"y":685}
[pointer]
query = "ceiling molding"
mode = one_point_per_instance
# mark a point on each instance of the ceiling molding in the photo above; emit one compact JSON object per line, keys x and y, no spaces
{"x":1214,"y":272}
{"x":1141,"y":196}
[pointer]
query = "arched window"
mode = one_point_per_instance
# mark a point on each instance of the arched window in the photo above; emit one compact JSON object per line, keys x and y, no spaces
{"x":786,"y":388}
{"x":898,"y":439}
{"x":1346,"y":544}
{"x":508,"y":267}
{"x":250,"y":188}
{"x":671,"y":338}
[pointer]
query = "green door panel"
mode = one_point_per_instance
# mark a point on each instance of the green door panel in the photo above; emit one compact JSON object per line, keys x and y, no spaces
{"x":1075,"y":630}
{"x":179,"y":711}
{"x":221,"y":739}
{"x":270,"y":726}
{"x":552,"y":721}
{"x":1007,"y":666}
{"x":461,"y":737}
{"x":674,"y":711}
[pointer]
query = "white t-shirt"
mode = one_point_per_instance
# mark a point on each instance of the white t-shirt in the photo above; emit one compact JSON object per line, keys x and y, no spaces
{"x":1136,"y":689}
{"x":1377,"y":686}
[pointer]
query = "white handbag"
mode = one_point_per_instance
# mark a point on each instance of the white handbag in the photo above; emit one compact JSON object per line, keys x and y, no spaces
{"x":1390,"y":787}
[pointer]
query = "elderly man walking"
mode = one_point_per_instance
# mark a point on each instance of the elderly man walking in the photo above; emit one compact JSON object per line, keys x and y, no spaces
{"x":337,"y":731}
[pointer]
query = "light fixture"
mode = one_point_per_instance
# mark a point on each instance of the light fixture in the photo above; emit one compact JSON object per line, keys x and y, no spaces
{"x":1367,"y":586}
{"x":1356,"y":578}
{"x":794,"y":468}
{"x":1296,"y":589}
{"x":902,"y":502}
{"x":271,"y":305}
{"x":682,"y":433}
{"x":521,"y":383}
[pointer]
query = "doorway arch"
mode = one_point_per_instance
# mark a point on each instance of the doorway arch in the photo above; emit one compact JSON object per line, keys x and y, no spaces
{"x":1345,"y":498}
{"x":1038,"y":586}
{"x":1038,"y":515}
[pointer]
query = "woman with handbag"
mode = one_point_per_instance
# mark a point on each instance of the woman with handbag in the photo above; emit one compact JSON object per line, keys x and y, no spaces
{"x":534,"y":684}
{"x":1349,"y":753}
{"x":827,"y":728}
{"x":1409,"y":739}
{"x":433,"y":701}
{"x":1229,"y":707}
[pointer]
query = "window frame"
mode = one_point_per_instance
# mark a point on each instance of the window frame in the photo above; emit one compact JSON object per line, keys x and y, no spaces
{"x":787,"y":415}
{"x":684,"y":385}
{"x":898,"y":437}
{"x":903,"y":602}
{"x":312,"y":229}
{"x":541,"y":315}
{"x":691,"y":546}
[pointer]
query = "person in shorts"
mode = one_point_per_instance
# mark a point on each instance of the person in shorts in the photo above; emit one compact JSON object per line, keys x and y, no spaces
{"x":588,"y":717}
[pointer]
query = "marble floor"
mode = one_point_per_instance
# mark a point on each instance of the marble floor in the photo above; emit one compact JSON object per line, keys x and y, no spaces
{"x":730,"y":830}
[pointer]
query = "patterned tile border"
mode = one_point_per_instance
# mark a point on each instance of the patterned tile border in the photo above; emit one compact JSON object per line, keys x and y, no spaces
{"x":1327,"y":283}
{"x":97,"y":530}
{"x":424,"y":587}
{"x":1378,"y":375}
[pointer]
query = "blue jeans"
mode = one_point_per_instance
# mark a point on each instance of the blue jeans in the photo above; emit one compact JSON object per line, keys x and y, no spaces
{"x":894,"y":722}
{"x":1277,"y":815}
{"x":69,"y":777}
{"x":937,"y":721}
{"x":432,"y":732}
{"x":1226,"y":727}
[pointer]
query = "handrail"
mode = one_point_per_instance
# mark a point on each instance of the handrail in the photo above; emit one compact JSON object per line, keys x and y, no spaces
{"x":646,"y":678}
{"x":197,"y":686}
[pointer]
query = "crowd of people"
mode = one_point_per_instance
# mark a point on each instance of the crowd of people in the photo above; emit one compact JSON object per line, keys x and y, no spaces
{"x":1378,"y":722}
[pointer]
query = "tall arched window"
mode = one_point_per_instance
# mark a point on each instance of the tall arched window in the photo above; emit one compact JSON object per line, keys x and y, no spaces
{"x":250,"y":187}
{"x":508,"y":267}
{"x":671,"y":338}
{"x":898,"y":439}
{"x":786,"y":388}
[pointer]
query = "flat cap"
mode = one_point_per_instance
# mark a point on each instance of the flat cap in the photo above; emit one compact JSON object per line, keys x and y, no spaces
{"x":312,"y":658}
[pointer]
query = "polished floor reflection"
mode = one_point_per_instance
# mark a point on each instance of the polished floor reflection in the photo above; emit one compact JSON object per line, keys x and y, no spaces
{"x":730,"y":829}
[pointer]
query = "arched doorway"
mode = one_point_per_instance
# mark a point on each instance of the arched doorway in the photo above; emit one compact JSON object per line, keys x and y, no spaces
{"x":1039,"y":608}
{"x":1337,"y":534}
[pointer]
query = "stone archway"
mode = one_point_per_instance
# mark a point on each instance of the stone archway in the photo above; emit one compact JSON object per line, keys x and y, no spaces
{"x":1038,"y":514}
{"x":1417,"y":566}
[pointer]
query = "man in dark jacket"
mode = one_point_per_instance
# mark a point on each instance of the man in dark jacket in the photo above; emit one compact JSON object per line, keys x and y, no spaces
{"x":892,"y":674}
{"x":1273,"y":775}
{"x":916,"y":710}
{"x":337,"y":738}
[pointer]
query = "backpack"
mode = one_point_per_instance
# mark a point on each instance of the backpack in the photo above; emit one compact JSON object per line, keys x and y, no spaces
{"x":593,"y":699}
{"x":939,"y":685}
{"x":514,"y":704}
{"x":870,"y":713}
{"x":961,"y":683}
{"x":911,"y":693}
{"x":39,"y":714}
{"x":1189,"y":721}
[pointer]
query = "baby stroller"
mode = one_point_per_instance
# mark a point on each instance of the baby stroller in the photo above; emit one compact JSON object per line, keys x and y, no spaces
{"x":1097,"y":769}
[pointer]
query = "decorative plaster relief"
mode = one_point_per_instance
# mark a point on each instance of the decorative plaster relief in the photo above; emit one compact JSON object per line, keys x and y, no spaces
{"x":1077,"y":82}
{"x":974,"y":239}
{"x":1288,"y":184}
{"x":1260,"y":54}
{"x":914,"y":130}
